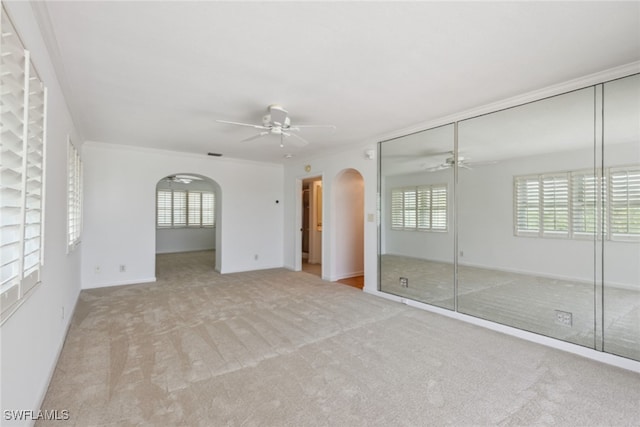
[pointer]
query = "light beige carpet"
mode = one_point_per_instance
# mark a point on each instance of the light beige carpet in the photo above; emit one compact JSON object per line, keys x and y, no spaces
{"x":280,"y":348}
{"x":523,"y":301}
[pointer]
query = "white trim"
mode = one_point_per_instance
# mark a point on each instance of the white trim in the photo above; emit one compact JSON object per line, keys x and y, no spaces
{"x":121,"y":283}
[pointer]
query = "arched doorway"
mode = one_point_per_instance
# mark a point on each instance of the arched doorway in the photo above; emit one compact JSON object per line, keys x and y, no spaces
{"x":188,"y":208}
{"x":349,"y":227}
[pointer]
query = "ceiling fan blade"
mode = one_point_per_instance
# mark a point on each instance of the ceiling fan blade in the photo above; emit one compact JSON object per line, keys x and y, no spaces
{"x":301,"y":141}
{"x":242,"y":124}
{"x":437,"y":168}
{"x":298,"y":127}
{"x":251,"y":138}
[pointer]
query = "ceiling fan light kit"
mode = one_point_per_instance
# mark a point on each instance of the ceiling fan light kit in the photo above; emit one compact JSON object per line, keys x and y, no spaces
{"x":277,"y":122}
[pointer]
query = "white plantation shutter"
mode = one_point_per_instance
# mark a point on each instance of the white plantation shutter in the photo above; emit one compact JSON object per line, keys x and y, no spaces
{"x":397,"y":203}
{"x":23,"y":109}
{"x":179,"y":208}
{"x":527,"y":201}
{"x":34,"y":174}
{"x":409,"y":208}
{"x":182,"y":208}
{"x":195,"y":209}
{"x":624,"y":196}
{"x":555,"y":205}
{"x":424,"y":207}
{"x":208,"y":209}
{"x":13,"y":84}
{"x":439,"y":208}
{"x":164,"y":208}
{"x":587,"y":200}
{"x":74,"y":196}
{"x":421,"y":208}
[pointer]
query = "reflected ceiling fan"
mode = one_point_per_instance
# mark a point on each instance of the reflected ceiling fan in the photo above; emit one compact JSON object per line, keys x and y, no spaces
{"x":277,"y":122}
{"x":450,"y":161}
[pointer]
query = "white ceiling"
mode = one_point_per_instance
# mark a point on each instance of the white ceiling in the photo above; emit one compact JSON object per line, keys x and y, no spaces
{"x":158,"y":74}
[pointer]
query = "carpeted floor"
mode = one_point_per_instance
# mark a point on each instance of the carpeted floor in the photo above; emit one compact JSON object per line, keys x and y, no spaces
{"x":280,"y":348}
{"x":523,"y":301}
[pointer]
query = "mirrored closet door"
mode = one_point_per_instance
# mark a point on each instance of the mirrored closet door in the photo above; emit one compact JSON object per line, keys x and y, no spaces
{"x":526,"y":238}
{"x":527,"y":217}
{"x":416,"y":235}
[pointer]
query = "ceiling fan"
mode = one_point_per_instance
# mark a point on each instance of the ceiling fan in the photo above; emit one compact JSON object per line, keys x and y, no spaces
{"x":182,"y":179}
{"x":277,"y":122}
{"x":450,"y":161}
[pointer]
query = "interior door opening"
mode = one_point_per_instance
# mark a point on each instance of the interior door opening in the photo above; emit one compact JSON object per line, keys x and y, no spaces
{"x":311,"y":226}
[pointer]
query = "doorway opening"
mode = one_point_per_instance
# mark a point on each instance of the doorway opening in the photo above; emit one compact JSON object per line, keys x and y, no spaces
{"x":187,"y":218}
{"x":311,"y":226}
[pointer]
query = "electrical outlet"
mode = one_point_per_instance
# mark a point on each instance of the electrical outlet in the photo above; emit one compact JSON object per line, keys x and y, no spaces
{"x":564,"y":318}
{"x":404,"y":282}
{"x":123,"y":268}
{"x":255,"y":257}
{"x":97,"y":269}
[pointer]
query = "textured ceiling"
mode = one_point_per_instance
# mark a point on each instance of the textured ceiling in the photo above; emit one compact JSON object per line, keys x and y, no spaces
{"x":159,"y":74}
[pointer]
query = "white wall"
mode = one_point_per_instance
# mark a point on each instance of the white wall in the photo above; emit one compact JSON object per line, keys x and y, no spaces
{"x":349,"y":223}
{"x":329,"y":167}
{"x":33,"y":336}
{"x":120,"y":192}
{"x":173,"y":240}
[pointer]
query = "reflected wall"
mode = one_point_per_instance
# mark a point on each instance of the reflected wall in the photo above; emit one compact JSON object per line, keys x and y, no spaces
{"x":543,"y":217}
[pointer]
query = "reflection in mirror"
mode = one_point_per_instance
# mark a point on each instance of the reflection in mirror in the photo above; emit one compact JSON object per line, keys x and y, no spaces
{"x":621,"y":233}
{"x":523,"y":259}
{"x":416,"y":228}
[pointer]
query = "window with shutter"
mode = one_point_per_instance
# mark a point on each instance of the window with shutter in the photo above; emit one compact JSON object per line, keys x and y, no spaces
{"x":74,"y":196}
{"x":624,"y":203}
{"x":195,"y":209}
{"x":23,"y":100}
{"x":164,"y":208}
{"x":179,"y":208}
{"x":587,"y":202}
{"x":422,"y":208}
{"x":555,"y":205}
{"x":579,"y":204}
{"x":208,"y":209}
{"x":527,"y":201}
{"x":182,"y":208}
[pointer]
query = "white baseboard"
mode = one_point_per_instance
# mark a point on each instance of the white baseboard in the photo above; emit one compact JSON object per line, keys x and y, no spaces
{"x":120,"y":283}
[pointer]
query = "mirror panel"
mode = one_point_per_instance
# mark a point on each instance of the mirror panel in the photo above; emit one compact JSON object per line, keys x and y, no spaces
{"x":523,"y":260}
{"x":621,"y":232}
{"x":416,"y":228}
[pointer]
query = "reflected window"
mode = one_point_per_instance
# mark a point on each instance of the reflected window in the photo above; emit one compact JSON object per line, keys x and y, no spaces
{"x":422,"y":208}
{"x":624,"y":203}
{"x":574,"y":204}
